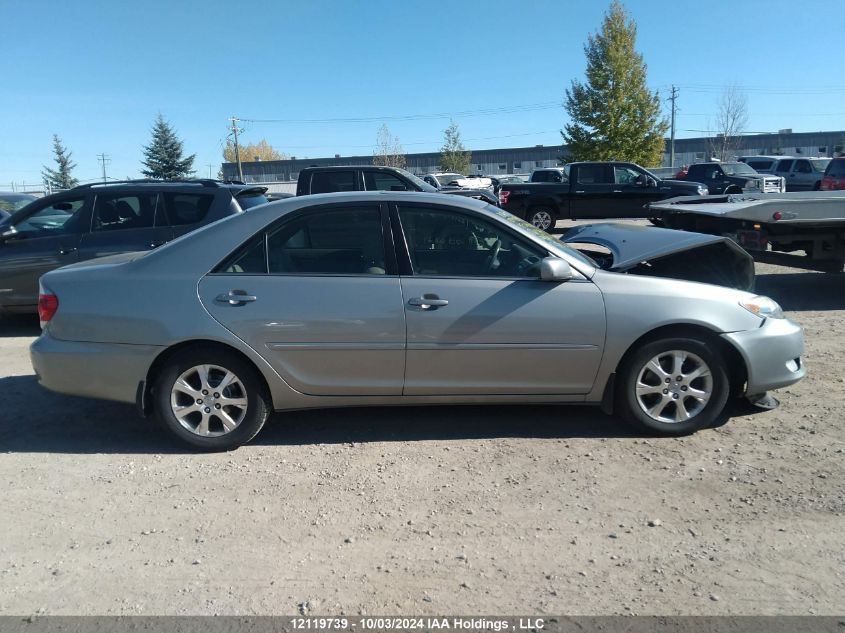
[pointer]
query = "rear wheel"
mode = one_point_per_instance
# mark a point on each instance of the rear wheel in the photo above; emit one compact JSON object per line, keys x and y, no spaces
{"x":210,"y":398}
{"x":673,"y":386}
{"x":543,"y":218}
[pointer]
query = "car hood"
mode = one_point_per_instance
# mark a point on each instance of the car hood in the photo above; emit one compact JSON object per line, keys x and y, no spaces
{"x":667,"y":253}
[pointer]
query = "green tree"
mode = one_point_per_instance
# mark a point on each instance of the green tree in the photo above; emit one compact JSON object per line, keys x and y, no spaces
{"x":262,"y":150}
{"x":163,"y":156}
{"x":453,"y":154}
{"x":61,"y":177}
{"x":614,"y":116}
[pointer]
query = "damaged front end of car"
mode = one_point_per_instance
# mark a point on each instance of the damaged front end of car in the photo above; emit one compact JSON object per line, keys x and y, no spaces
{"x":659,"y":252}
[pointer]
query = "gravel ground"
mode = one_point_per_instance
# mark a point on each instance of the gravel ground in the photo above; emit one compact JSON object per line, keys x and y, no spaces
{"x":450,"y":510}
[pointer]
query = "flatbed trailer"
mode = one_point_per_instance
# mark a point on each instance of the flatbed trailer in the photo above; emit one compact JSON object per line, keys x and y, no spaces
{"x":771,"y":226}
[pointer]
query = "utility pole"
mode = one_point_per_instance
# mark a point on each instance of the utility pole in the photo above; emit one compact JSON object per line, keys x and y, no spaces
{"x":104,"y":158}
{"x":673,"y":99}
{"x":235,"y":131}
{"x":209,"y":165}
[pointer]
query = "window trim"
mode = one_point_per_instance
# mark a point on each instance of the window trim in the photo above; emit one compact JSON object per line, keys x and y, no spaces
{"x":387,"y":242}
{"x":403,"y":254}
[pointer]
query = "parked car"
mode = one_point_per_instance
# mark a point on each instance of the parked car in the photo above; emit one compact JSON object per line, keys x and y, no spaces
{"x":378,"y":178}
{"x":93,"y":221}
{"x":592,"y":190}
{"x":389,"y":298}
{"x":834,"y":175}
{"x":736,"y":177}
{"x":450,"y":180}
{"x":762,"y":164}
{"x":11,"y":202}
{"x":801,"y":174}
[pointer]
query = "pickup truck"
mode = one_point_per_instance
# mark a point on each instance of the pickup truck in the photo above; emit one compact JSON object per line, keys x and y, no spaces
{"x":736,"y":177}
{"x":592,"y":190}
{"x":375,"y":178}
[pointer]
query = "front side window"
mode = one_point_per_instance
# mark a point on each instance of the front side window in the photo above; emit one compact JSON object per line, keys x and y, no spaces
{"x":803,"y":167}
{"x":186,"y":208}
{"x":117,"y":212}
{"x":448,"y":244}
{"x":784,"y":166}
{"x":64,"y":216}
{"x":348,"y":241}
{"x":382,"y":181}
{"x":625,"y":175}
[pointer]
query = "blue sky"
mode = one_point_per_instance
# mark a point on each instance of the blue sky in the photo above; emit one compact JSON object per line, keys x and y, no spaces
{"x":98,"y":73}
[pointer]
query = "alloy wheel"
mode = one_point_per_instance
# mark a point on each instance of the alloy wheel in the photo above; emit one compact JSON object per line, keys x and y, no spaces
{"x":674,"y":386}
{"x":542,"y":220}
{"x":209,"y":400}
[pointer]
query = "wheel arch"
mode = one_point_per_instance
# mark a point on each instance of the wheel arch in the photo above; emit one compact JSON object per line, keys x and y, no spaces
{"x":734,"y":362}
{"x":145,"y":390}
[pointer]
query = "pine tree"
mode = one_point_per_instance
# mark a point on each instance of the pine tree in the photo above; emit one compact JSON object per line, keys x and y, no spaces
{"x":614,"y":116}
{"x":60,"y":178}
{"x":163,"y":156}
{"x":453,"y":154}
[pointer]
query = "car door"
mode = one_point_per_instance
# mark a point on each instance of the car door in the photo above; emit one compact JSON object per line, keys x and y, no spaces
{"x":45,"y":239}
{"x":318,"y":297}
{"x":480,"y":320}
{"x":632,"y":190}
{"x":124,"y":222}
{"x":784,"y":169}
{"x":803,"y":176}
{"x":591,"y":191}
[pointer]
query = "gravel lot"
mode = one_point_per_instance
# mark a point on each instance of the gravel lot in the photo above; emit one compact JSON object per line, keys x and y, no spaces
{"x":452,"y":510}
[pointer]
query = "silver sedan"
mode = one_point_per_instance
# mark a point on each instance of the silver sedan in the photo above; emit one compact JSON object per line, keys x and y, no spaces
{"x":392,"y":298}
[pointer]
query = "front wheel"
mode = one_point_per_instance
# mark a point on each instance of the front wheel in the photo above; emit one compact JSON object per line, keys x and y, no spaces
{"x":211,"y":399}
{"x":673,"y":386}
{"x":543,"y":218}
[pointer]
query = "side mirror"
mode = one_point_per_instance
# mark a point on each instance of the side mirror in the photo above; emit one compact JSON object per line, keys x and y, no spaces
{"x":641,"y":180}
{"x":555,"y":269}
{"x":10,"y":234}
{"x":454,"y":183}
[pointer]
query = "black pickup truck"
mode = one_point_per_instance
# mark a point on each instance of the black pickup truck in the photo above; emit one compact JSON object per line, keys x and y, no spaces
{"x":374,"y":178}
{"x":592,"y":190}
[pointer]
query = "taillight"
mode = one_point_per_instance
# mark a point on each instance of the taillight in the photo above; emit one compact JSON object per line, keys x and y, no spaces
{"x":47,"y":306}
{"x":503,"y":196}
{"x":777,"y":215}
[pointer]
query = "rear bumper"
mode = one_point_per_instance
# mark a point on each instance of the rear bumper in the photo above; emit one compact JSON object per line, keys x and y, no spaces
{"x":110,"y":371}
{"x":772,"y":354}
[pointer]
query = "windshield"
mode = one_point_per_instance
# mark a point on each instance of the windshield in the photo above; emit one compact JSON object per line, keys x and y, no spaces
{"x":540,"y":234}
{"x":13,"y":201}
{"x":732,"y":169}
{"x":820,"y":164}
{"x":419,"y":182}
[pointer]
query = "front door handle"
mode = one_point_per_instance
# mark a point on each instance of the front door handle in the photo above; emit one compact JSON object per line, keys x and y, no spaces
{"x":428,"y":302}
{"x":156,"y":243}
{"x":235,"y":297}
{"x":66,"y":251}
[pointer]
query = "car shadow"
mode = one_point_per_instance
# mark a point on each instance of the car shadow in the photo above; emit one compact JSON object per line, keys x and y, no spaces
{"x":14,"y":325}
{"x":46,"y":422}
{"x":803,"y":291}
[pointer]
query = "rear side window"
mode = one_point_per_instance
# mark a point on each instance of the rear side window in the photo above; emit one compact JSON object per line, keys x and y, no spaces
{"x":330,"y":181}
{"x":187,"y":208}
{"x":784,"y":166}
{"x":803,"y":167}
{"x":120,"y":212}
{"x":594,"y":175}
{"x":345,"y":242}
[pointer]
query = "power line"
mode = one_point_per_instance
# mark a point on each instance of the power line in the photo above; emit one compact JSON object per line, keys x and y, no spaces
{"x":530,"y":107}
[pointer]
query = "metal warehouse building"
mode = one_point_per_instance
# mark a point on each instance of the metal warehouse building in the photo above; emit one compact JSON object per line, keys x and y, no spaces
{"x":523,"y":160}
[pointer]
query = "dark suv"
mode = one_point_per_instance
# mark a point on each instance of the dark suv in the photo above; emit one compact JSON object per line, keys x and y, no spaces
{"x":105,"y":219}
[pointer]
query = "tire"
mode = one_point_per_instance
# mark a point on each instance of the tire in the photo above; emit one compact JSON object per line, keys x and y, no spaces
{"x":669,"y":420}
{"x":234,"y":415}
{"x":543,"y":218}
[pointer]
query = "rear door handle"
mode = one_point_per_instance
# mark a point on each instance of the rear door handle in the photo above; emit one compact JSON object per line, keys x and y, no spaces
{"x":428,"y":302}
{"x":156,"y":243}
{"x":235,"y":297}
{"x":66,"y":251}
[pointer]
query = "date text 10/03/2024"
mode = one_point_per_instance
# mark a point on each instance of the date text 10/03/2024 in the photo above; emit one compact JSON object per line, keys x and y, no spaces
{"x":421,"y":623}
